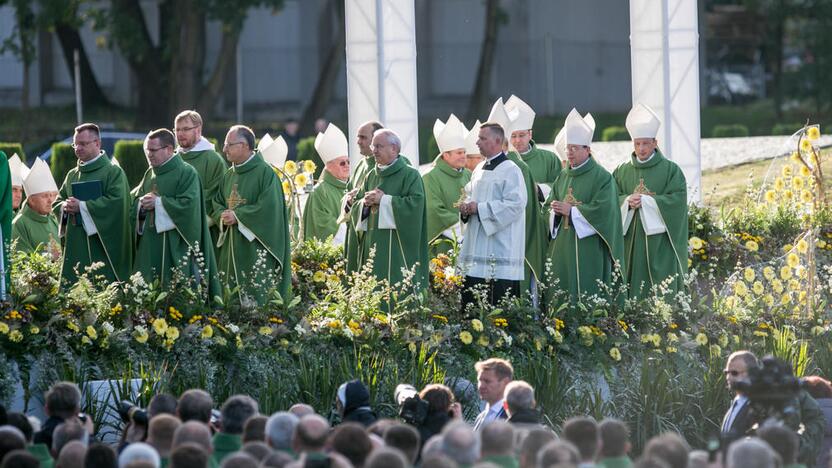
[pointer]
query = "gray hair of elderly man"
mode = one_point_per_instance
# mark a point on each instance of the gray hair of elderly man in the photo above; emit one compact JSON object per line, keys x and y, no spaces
{"x":392,"y":137}
{"x":461,"y":443}
{"x":279,"y":430}
{"x":519,"y":395}
{"x":751,"y":453}
{"x":138,"y":451}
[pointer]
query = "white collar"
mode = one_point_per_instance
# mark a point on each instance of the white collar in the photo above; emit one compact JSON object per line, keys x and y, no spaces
{"x":496,"y":407}
{"x":246,"y":161}
{"x":202,"y":145}
{"x":528,"y":150}
{"x":169,"y":160}
{"x":83,"y":163}
{"x":581,"y":164}
{"x":381,"y":168}
{"x":646,"y":160}
{"x":492,"y":157}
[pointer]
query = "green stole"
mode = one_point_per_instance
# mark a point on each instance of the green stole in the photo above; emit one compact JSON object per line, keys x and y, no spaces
{"x":30,"y":230}
{"x":406,"y":245}
{"x":535,"y":226}
{"x":544,"y":165}
{"x":443,"y":189}
{"x":579,"y":264}
{"x":211,"y":167}
{"x":259,"y":205}
{"x":352,"y":244}
{"x":649,"y":260}
{"x":323,"y":207}
{"x":6,"y":215}
{"x":110,"y":212}
{"x":159,"y":255}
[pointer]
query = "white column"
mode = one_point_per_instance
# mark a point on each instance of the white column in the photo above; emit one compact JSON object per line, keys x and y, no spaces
{"x":381,"y":70}
{"x":664,"y":44}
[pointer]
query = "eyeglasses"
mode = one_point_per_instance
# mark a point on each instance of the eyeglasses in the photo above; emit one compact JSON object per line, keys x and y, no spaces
{"x":81,"y":144}
{"x":153,"y":150}
{"x":344,"y":163}
{"x":185,"y":129}
{"x":732,"y":373}
{"x":229,"y":145}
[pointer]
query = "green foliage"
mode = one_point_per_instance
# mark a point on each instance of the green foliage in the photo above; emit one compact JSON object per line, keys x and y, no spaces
{"x":13,"y":148}
{"x":615,"y":134}
{"x":725,"y":131}
{"x":306,"y":152}
{"x":130,"y":156}
{"x":786,"y":129}
{"x":433,"y":148}
{"x":555,"y":133}
{"x":62,"y":160}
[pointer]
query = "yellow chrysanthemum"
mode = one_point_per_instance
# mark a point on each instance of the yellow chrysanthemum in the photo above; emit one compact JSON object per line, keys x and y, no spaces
{"x":701,"y":339}
{"x":34,"y":330}
{"x":768,"y":273}
{"x":319,"y":276}
{"x":779,"y":185}
{"x":207,"y":332}
{"x":671,"y":349}
{"x":740,"y":289}
{"x":286,"y":187}
{"x":805,"y":145}
{"x":476,"y":324}
{"x":696,"y":243}
{"x":301,"y":180}
{"x":265,"y":330}
{"x":794,"y":285}
{"x":172,"y":333}
{"x":768,"y":299}
{"x":798,"y":182}
{"x":806,"y":196}
{"x":821,"y":244}
{"x":749,"y":274}
{"x":4,"y":328}
{"x":160,"y":326}
{"x":787,"y":248}
{"x":785,"y":299}
{"x":785,"y":273}
{"x":793,"y":260}
{"x":615,"y":354}
{"x":795,"y":157}
{"x":91,"y":332}
{"x":788,"y":195}
{"x":141,"y":335}
{"x":758,"y":288}
{"x":84,"y":339}
{"x":290,"y":168}
{"x":813,"y":132}
{"x":770,"y":196}
{"x":309,"y":166}
{"x":802,"y":246}
{"x":805,"y":171}
{"x":412,"y":347}
{"x":483,"y":341}
{"x":777,"y":285}
{"x":786,"y":171}
{"x":465,"y":337}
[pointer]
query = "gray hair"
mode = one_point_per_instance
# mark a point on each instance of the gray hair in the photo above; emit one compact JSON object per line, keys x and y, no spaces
{"x":279,"y":430}
{"x":460,"y":443}
{"x":519,"y":395}
{"x":138,"y":451}
{"x":245,"y":133}
{"x":392,"y":137}
{"x":235,"y":411}
{"x":750,"y":453}
{"x":67,"y":432}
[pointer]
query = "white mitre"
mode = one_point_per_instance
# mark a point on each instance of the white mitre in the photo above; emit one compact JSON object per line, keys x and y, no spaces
{"x":499,"y":116}
{"x":520,"y":113}
{"x":471,"y":139}
{"x":449,"y":135}
{"x":642,"y":122}
{"x":331,"y":144}
{"x":274,"y":152}
{"x":18,"y":170}
{"x":560,"y":143}
{"x":39,"y":179}
{"x":579,"y":130}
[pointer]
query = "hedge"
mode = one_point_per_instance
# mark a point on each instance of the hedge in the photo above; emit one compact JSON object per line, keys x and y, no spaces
{"x":12,"y":148}
{"x":615,"y":134}
{"x":555,"y":134}
{"x":725,"y":131}
{"x":306,"y":151}
{"x":131,"y":158}
{"x":786,"y":129}
{"x":433,"y":149}
{"x":62,"y":160}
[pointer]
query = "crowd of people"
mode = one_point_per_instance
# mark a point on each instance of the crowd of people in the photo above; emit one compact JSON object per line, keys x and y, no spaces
{"x":431,"y":432}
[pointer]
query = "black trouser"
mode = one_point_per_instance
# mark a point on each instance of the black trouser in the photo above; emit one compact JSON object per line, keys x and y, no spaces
{"x":495,"y":290}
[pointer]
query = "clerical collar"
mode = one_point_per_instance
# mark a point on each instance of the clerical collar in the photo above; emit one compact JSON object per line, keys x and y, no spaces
{"x":202,"y":145}
{"x":581,"y":164}
{"x":246,"y":161}
{"x":494,"y":161}
{"x":646,"y":160}
{"x":169,"y":160}
{"x":381,"y":168}
{"x":527,"y":151}
{"x":84,"y":163}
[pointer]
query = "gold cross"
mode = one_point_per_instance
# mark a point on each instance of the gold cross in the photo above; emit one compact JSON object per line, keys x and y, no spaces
{"x":234,"y":199}
{"x":570,"y":198}
{"x":641,"y":189}
{"x":54,"y":247}
{"x":462,"y":197}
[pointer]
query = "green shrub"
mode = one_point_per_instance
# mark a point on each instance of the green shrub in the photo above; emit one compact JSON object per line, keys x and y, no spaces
{"x":725,"y":131}
{"x":62,"y":160}
{"x":306,"y":152}
{"x":615,"y":134}
{"x":12,"y":148}
{"x":785,"y":129}
{"x":131,"y":158}
{"x":217,"y":145}
{"x":555,"y":134}
{"x":433,"y":149}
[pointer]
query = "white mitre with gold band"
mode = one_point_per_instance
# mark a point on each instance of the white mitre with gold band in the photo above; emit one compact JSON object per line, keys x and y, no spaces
{"x":450,"y":135}
{"x":520,"y":113}
{"x":642,"y":122}
{"x":18,"y":170}
{"x":331,"y":144}
{"x":39,"y":179}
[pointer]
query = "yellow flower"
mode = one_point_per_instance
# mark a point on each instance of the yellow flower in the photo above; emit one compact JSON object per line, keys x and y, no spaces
{"x":779,"y":185}
{"x":715,"y":350}
{"x":309,"y":166}
{"x":671,"y":349}
{"x":785,"y":272}
{"x":84,"y":339}
{"x":465,"y":337}
{"x":795,"y":157}
{"x":787,"y":248}
{"x":33,"y":330}
{"x":770,"y":196}
{"x":412,"y":347}
{"x":802,"y":246}
{"x":290,"y":168}
{"x":558,"y":337}
{"x":786,"y":171}
{"x":749,"y":274}
{"x":818,"y":330}
{"x":334,"y":324}
{"x":559,"y":324}
{"x":757,"y":288}
{"x":657,"y":340}
{"x":265,"y":331}
{"x":777,"y":285}
{"x":752,"y":246}
{"x":16,"y":337}
{"x":286,"y":187}
{"x":483,"y":341}
{"x":4,"y":328}
{"x":73,"y":326}
{"x":91,"y":332}
{"x":301,"y":180}
{"x":793,"y":260}
{"x":813,"y":132}
{"x":140,"y":334}
{"x":238,"y":341}
{"x":794,"y":285}
{"x":760,"y":333}
{"x":319,"y":276}
{"x":160,"y":326}
{"x":798,"y":182}
{"x":806,"y":196}
{"x":723,"y":340}
{"x":821,"y":244}
{"x":785,"y":299}
{"x":768,"y":273}
{"x":476,"y":324}
{"x":615,"y":354}
{"x":695,"y":243}
{"x":805,"y":171}
{"x":701,"y":339}
{"x":788,"y":195}
{"x":172,"y":333}
{"x":740,"y":289}
{"x":768,"y":299}
{"x":332,"y":278}
{"x":805,"y":145}
{"x":441,"y":318}
{"x":207,"y":332}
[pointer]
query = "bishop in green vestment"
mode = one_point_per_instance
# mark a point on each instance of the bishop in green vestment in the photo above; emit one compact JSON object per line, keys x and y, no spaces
{"x":95,"y":204}
{"x":585,"y":223}
{"x":171,"y":221}
{"x":35,"y":226}
{"x":390,"y":213}
{"x":253,"y":247}
{"x":360,"y":171}
{"x":323,"y":207}
{"x":652,"y":193}
{"x":200,"y":153}
{"x":543,"y":165}
{"x":6,"y":215}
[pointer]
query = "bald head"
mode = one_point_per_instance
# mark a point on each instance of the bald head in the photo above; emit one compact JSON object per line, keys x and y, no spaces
{"x":193,"y":432}
{"x":310,"y":434}
{"x":301,"y":409}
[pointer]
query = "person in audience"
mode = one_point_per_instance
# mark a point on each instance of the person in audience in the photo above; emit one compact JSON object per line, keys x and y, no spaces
{"x":239,"y":460}
{"x":386,"y":458}
{"x":255,"y":429}
{"x":520,"y":405}
{"x":310,"y":435}
{"x":301,"y":409}
{"x":441,"y":409}
{"x":615,"y":444}
{"x":100,"y":456}
{"x":257,"y":449}
{"x":670,"y":447}
{"x":351,"y":440}
{"x":461,"y":443}
{"x":353,"y":403}
{"x":751,"y":453}
{"x":280,"y":428}
{"x":63,"y":402}
{"x":438,"y":460}
{"x":65,"y":433}
{"x":497,"y":439}
{"x":138,"y":452}
{"x":195,"y":433}
{"x":11,"y":438}
{"x":821,"y":390}
{"x":189,"y":455}
{"x":236,"y":410}
{"x":161,"y":430}
{"x":277,"y":460}
{"x":161,"y":403}
{"x":20,"y":459}
{"x":381,"y":425}
{"x":651,"y":462}
{"x":195,"y":404}
{"x":698,"y":459}
{"x":558,"y":453}
{"x":582,"y":432}
{"x":784,"y":442}
{"x":72,"y":455}
{"x":535,"y":440}
{"x":492,"y":376}
{"x":40,"y":451}
{"x":406,"y":439}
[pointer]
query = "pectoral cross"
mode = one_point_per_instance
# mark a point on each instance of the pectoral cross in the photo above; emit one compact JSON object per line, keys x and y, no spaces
{"x":234,"y":199}
{"x":572,"y":201}
{"x":462,"y":197}
{"x":641,"y":189}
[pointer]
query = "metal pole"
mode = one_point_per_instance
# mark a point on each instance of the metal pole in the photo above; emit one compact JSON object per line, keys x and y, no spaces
{"x":239,"y":83}
{"x":79,"y":104}
{"x":382,"y":104}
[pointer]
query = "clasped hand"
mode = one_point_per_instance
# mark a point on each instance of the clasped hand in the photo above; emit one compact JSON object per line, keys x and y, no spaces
{"x":560,"y":207}
{"x":228,"y":218}
{"x":635,"y":201}
{"x":468,"y":209}
{"x":373,"y":197}
{"x":148,"y":202}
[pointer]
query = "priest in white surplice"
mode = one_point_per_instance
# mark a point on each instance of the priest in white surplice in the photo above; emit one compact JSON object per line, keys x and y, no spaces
{"x":493,"y":216}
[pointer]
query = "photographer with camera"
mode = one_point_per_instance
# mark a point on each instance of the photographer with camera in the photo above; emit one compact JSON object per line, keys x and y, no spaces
{"x":429,"y":410}
{"x":63,"y":404}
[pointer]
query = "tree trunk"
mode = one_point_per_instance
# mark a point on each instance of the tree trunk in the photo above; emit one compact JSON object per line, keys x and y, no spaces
{"x":225,"y":60}
{"x":187,"y":56}
{"x":329,"y":76}
{"x":480,"y":98}
{"x":70,"y":40}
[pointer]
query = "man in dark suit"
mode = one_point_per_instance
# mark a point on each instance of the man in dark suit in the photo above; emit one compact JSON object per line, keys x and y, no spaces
{"x":492,"y":377}
{"x":738,"y":419}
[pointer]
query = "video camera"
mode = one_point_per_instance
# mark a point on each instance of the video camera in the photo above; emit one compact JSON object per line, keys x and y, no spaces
{"x":412,"y":409}
{"x":772,"y":391}
{"x":129,"y":412}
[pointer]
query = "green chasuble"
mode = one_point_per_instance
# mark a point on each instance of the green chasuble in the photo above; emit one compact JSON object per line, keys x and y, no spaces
{"x":185,"y":238}
{"x":31,"y":230}
{"x":352,"y":244}
{"x":443,"y":189}
{"x":649,"y":260}
{"x":396,"y":229}
{"x":320,"y":215}
{"x":578,"y":264}
{"x":544,"y":165}
{"x":253,"y":191}
{"x":211,"y":167}
{"x":6,"y":215}
{"x":110,"y":213}
{"x":536,"y":237}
